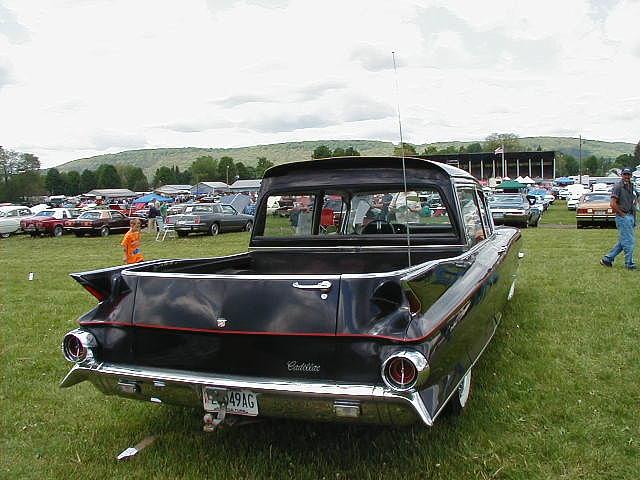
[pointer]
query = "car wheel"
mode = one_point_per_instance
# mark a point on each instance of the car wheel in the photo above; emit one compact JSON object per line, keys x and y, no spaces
{"x":214,"y":229}
{"x":78,"y":234}
{"x":461,"y":396}
{"x":182,"y":234}
{"x":248,"y":227}
{"x":536,"y":223}
{"x":5,"y":235}
{"x":57,"y":231}
{"x":580,"y":225}
{"x":524,"y":225}
{"x":104,"y":231}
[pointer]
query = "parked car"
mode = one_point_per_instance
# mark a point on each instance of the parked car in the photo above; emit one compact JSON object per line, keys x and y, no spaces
{"x":10,"y":217}
{"x":211,"y":218}
{"x":513,"y":209}
{"x":595,"y":209}
{"x":99,"y":222}
{"x":48,"y":222}
{"x":380,"y":325}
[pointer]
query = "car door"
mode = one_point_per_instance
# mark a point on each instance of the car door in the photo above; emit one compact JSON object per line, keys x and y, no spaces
{"x":119,"y":221}
{"x":230,"y":218}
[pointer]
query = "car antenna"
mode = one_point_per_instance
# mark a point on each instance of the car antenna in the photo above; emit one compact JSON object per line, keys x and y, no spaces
{"x":404,"y":169}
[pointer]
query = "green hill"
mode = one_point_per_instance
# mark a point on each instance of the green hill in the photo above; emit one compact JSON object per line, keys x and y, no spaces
{"x":151,"y":159}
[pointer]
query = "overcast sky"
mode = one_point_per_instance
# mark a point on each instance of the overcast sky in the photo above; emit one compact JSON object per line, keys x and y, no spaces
{"x":85,"y":77}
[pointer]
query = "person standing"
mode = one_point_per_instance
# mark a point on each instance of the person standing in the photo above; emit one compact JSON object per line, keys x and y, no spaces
{"x":623,"y":202}
{"x":153,"y":213}
{"x":131,"y":243}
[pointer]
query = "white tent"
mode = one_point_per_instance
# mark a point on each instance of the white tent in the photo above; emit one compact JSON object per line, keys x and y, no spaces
{"x":520,"y":179}
{"x":527,"y":180}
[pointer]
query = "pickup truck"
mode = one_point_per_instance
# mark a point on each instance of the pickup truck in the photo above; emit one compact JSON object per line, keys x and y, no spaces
{"x":379,"y":319}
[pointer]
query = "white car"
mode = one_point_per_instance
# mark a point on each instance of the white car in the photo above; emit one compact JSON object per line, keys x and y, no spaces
{"x":573,"y":201}
{"x":10,"y":219}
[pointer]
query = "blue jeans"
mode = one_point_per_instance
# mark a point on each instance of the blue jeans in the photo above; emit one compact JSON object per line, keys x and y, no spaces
{"x":626,"y":239}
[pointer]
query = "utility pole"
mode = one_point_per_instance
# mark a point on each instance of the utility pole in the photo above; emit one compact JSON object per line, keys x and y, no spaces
{"x":580,"y":162}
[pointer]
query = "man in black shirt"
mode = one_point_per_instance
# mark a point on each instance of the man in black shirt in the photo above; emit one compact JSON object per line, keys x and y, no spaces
{"x":623,"y":203}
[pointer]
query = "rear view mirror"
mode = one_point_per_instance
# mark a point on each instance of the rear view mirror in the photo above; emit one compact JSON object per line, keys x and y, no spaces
{"x":531,"y":199}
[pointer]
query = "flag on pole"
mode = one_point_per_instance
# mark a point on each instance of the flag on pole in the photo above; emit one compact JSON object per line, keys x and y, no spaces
{"x":498,"y":150}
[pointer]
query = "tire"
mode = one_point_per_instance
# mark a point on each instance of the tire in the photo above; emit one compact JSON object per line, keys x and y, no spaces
{"x":214,"y":229}
{"x":536,"y":223}
{"x":5,"y":235}
{"x":249,"y":226}
{"x":79,"y":235}
{"x":57,"y":231}
{"x":524,"y":225}
{"x":182,"y":234}
{"x":580,"y":225}
{"x":460,"y":398}
{"x":104,"y":231}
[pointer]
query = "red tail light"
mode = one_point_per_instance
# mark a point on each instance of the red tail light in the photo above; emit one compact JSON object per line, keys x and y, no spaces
{"x":197,"y":220}
{"x":401,"y":372}
{"x":73,"y":349}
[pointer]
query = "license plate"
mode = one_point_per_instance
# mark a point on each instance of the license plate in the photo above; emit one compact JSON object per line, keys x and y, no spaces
{"x":600,"y":212}
{"x":239,"y":402}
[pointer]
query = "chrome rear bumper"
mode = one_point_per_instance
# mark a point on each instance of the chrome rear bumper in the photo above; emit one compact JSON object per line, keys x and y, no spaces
{"x":282,"y":398}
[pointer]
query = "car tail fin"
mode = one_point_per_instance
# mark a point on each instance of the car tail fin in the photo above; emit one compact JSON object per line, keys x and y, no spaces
{"x":102,"y":283}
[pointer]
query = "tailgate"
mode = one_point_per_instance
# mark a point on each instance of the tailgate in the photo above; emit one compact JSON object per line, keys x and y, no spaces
{"x":242,"y":304}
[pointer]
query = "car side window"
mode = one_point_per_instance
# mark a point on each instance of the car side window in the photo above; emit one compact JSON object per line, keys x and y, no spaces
{"x":289,"y":216}
{"x":333,"y":211}
{"x":12,"y":213}
{"x":117,"y":216}
{"x":228,"y":209}
{"x":25,"y":212}
{"x":486,"y":218}
{"x":471,"y":217}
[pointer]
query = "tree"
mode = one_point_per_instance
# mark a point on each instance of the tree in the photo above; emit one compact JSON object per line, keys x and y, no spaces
{"x":474,"y":147}
{"x":351,"y":152}
{"x":88,"y":181}
{"x":592,"y":165}
{"x":54,"y":182}
{"x":8,"y":163}
{"x":242,"y":171}
{"x":204,"y":169}
{"x":509,"y":140}
{"x":338,"y":152}
{"x":108,"y":177}
{"x":262,"y":165}
{"x":227,"y":170}
{"x":322,"y":152}
{"x":636,"y":153}
{"x":624,"y":160}
{"x":408,"y":150}
{"x":73,"y":183}
{"x":164,"y":176}
{"x":135,"y":179}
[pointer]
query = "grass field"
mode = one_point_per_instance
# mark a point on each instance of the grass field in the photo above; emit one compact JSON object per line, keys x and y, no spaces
{"x":555,"y":395}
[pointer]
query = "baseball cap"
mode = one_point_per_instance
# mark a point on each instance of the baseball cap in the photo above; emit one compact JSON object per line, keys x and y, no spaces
{"x":626,"y":170}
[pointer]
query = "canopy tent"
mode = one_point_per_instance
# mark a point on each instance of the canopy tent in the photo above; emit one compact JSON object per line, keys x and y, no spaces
{"x":511,"y":185}
{"x":519,"y":179}
{"x":152,"y":197}
{"x":564,"y":181}
{"x":528,"y":180}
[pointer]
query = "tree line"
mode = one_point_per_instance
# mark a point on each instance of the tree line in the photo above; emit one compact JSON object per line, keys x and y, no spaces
{"x":22,"y":178}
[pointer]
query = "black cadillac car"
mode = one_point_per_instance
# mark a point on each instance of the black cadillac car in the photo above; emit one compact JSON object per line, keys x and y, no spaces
{"x":379,"y":319}
{"x":211,"y":218}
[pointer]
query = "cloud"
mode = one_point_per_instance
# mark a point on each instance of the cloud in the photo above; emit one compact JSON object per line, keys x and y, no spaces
{"x":193,"y":126}
{"x":11,"y":28}
{"x":288,"y":123}
{"x":358,"y":108}
{"x":216,"y":6}
{"x":107,"y":140}
{"x":318,"y":89}
{"x":236,"y":100}
{"x":373,"y":59}
{"x":450,"y":41}
{"x":5,"y":75}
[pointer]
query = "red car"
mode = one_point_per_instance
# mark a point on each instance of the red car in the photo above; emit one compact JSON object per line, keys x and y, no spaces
{"x":48,"y":222}
{"x":99,"y":222}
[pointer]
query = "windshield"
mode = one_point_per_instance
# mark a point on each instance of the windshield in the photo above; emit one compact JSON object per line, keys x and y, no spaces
{"x":600,"y":197}
{"x":45,"y":213}
{"x":498,"y":201}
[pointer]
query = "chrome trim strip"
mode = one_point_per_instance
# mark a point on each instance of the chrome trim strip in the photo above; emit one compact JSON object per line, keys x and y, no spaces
{"x":295,"y":388}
